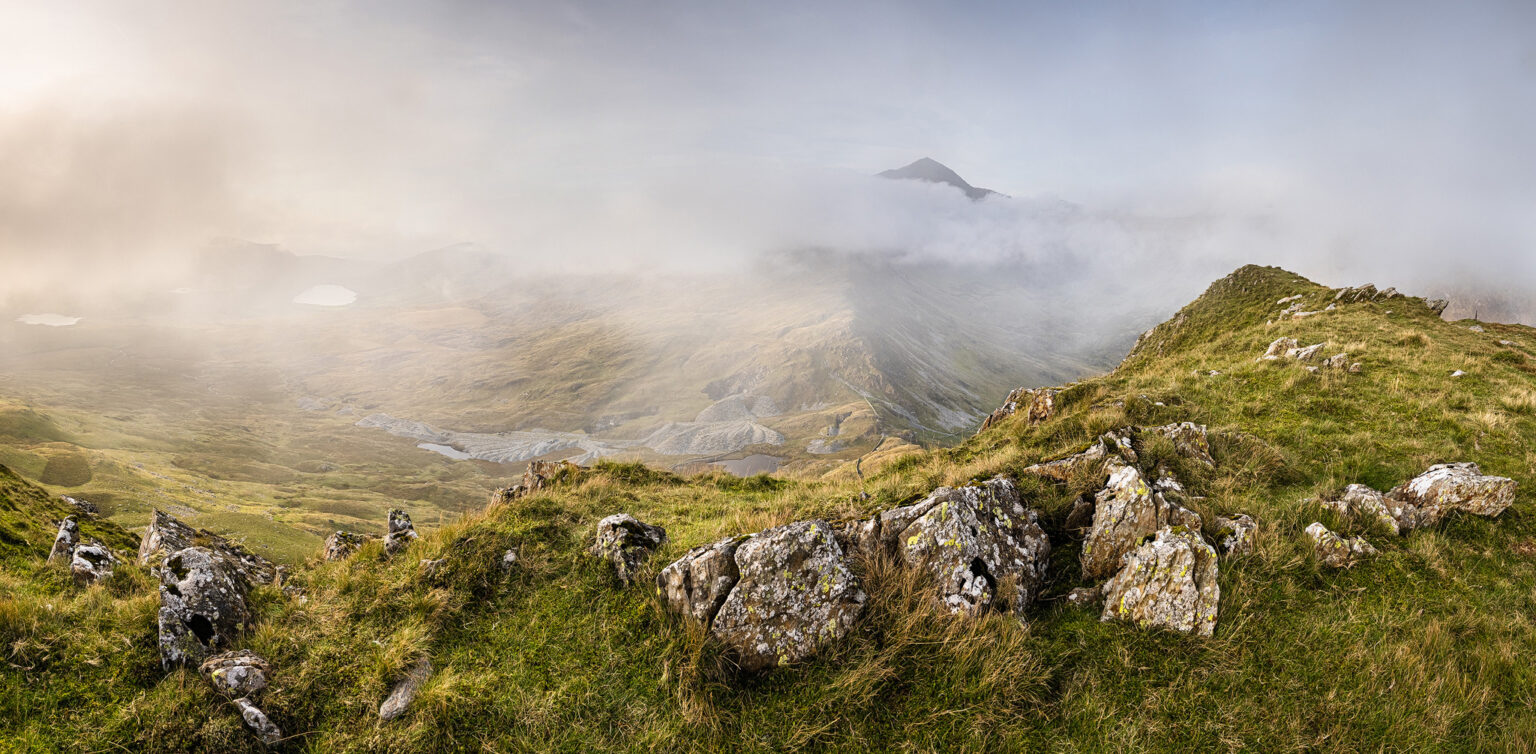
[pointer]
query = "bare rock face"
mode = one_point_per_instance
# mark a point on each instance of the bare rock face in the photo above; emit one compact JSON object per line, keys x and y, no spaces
{"x":342,"y":544}
{"x":697,"y":584}
{"x":795,"y":594}
{"x":1125,"y":512}
{"x":1335,"y":551}
{"x":405,"y":691}
{"x":91,"y":562}
{"x":1362,"y":503}
{"x":401,"y":531}
{"x":65,"y":541}
{"x":202,"y":605}
{"x":1169,"y":581}
{"x":1037,"y":404}
{"x":1189,"y":439}
{"x":1455,"y":487}
{"x":257,"y":722}
{"x":167,"y":535}
{"x":627,"y":542}
{"x":1235,"y":535}
{"x":241,"y":673}
{"x":980,"y":544}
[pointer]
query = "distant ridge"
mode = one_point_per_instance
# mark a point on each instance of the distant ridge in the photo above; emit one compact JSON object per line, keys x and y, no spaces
{"x":933,"y":171}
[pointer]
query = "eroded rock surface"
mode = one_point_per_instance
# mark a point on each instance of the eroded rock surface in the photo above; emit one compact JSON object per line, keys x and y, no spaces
{"x":167,"y":535}
{"x":1455,"y":487}
{"x":627,"y":542}
{"x":257,"y":722}
{"x":401,"y":531}
{"x":236,"y":674}
{"x":697,"y":584}
{"x":65,"y":541}
{"x":1169,"y":581}
{"x":1362,"y":503}
{"x":1235,"y":535}
{"x":202,"y":605}
{"x":1125,"y":512}
{"x":342,"y":544}
{"x":404,"y":692}
{"x":91,"y":562}
{"x":1037,"y":404}
{"x":1335,"y":551}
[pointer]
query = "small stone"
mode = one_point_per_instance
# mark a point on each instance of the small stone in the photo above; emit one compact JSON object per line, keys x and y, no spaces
{"x":1235,"y":535}
{"x":1361,"y":503}
{"x":1356,"y":368}
{"x":1305,"y":354}
{"x":429,"y":568}
{"x":510,"y":558}
{"x":1335,"y":551}
{"x":91,"y":563}
{"x":1506,"y":342}
{"x":627,"y":543}
{"x":1279,"y":348}
{"x":405,"y":691}
{"x":1458,"y":373}
{"x":257,"y":722}
{"x":1455,"y":487}
{"x":401,"y":532}
{"x":1312,"y":370}
{"x":1337,"y":361}
{"x":236,"y":674}
{"x":1476,"y":328}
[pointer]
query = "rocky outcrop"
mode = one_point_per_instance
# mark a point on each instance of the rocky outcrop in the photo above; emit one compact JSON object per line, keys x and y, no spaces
{"x":1037,"y":405}
{"x":91,"y":563}
{"x":1170,"y":581}
{"x":202,"y":605}
{"x":627,"y":542}
{"x":405,"y":690}
{"x":1455,"y":487}
{"x":401,"y":531}
{"x":257,"y":722}
{"x":65,"y":541}
{"x":342,"y":544}
{"x":86,"y":507}
{"x":1362,"y":503}
{"x":537,"y":476}
{"x":979,"y":544}
{"x":1115,"y":444}
{"x":236,"y":674}
{"x":1235,"y":535}
{"x":167,"y":535}
{"x":1189,"y":439}
{"x":1335,"y":551}
{"x":795,"y":594}
{"x":1288,"y":348}
{"x":1364,"y":293}
{"x":1125,"y":512}
{"x":697,"y":584}
{"x":1438,"y":306}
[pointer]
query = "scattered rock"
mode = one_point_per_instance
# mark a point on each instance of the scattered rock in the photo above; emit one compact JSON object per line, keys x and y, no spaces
{"x":1438,"y":306}
{"x":795,"y":594}
{"x":65,"y":541}
{"x":1335,"y":551}
{"x":1337,"y":361}
{"x":1362,"y":503}
{"x":1305,"y":354}
{"x":236,"y":674}
{"x":1279,"y":349}
{"x":1458,"y":373}
{"x":1038,"y":405}
{"x":510,"y":558}
{"x":342,"y":544}
{"x":1476,"y":328}
{"x":1125,"y":512}
{"x":167,"y":535}
{"x":202,"y":605}
{"x":1235,"y":535}
{"x":1111,"y":444}
{"x":1085,"y":596}
{"x":538,"y":475}
{"x":405,"y":691}
{"x":401,"y":531}
{"x":627,"y":542}
{"x":1506,"y":342}
{"x":429,"y":567}
{"x":1189,"y":439}
{"x":1356,"y":368}
{"x":257,"y":722}
{"x":84,"y":506}
{"x":697,"y":584}
{"x":1455,"y":486}
{"x":1170,"y":581}
{"x":91,"y":563}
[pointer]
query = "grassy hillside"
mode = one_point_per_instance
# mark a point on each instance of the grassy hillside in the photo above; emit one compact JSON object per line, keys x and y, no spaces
{"x":1424,"y":647}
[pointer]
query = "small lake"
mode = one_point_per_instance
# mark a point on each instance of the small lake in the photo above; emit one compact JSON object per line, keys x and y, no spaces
{"x":327,"y":295}
{"x":48,"y":320}
{"x":447,"y":450}
{"x":756,"y":463}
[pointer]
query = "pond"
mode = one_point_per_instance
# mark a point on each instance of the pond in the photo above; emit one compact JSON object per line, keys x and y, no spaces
{"x":756,"y":463}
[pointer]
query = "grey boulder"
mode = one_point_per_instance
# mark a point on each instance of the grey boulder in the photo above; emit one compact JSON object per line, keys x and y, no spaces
{"x":627,"y":542}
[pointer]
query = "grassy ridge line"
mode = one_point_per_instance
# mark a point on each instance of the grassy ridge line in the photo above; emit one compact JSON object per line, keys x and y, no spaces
{"x":1423,"y":647}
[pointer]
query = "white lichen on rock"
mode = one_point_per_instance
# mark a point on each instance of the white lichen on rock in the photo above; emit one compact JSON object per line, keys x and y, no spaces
{"x":1170,"y":581}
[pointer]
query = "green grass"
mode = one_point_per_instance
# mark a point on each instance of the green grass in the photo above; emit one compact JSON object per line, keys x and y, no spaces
{"x":1425,"y":647}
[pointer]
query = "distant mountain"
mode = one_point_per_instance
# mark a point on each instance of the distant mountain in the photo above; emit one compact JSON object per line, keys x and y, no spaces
{"x":934,"y":171}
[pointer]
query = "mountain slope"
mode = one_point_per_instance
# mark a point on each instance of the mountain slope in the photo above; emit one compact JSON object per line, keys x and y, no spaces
{"x":933,"y":171}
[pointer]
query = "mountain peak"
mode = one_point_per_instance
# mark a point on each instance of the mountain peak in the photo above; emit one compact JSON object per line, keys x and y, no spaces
{"x":932,"y":171}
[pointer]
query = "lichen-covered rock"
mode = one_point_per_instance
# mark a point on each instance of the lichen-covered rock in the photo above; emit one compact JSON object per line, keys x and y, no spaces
{"x":1037,"y":405}
{"x":1169,"y":581}
{"x":1278,"y":349}
{"x":1362,"y":503}
{"x":401,"y":531}
{"x":405,"y":691}
{"x":1305,"y":354}
{"x":1189,"y":439}
{"x":1335,"y":551}
{"x":1115,"y":445}
{"x":236,"y":674}
{"x":627,"y":542}
{"x":65,"y":541}
{"x":1235,"y":535}
{"x":1125,"y":512}
{"x":91,"y":562}
{"x":794,"y":595}
{"x":1455,"y":487}
{"x":979,"y":543}
{"x":167,"y":535}
{"x":257,"y":722}
{"x":80,"y":504}
{"x":697,"y":584}
{"x":202,"y":605}
{"x":1085,"y":596}
{"x":342,"y":544}
{"x":538,"y":475}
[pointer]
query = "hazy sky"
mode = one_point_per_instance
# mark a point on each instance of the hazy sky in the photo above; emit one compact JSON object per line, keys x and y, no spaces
{"x":1384,"y":134}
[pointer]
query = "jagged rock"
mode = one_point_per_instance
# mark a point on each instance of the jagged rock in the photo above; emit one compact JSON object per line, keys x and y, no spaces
{"x":401,"y":531}
{"x":697,"y":584}
{"x":84,"y":506}
{"x":342,"y":544}
{"x":167,"y":535}
{"x":1279,"y":349}
{"x":1337,"y":361}
{"x":202,"y":605}
{"x":1335,"y":551}
{"x":1169,"y":581}
{"x":627,"y":542}
{"x":1438,"y":306}
{"x":65,"y":541}
{"x":1110,"y":444}
{"x":1305,"y":354}
{"x":1289,"y":299}
{"x":1038,"y":405}
{"x":1125,"y":512}
{"x":510,"y":558}
{"x":257,"y":722}
{"x":538,"y":475}
{"x":979,"y":543}
{"x":1189,"y":439}
{"x":1085,"y":596}
{"x":91,"y":563}
{"x":405,"y":691}
{"x":795,"y":594}
{"x":1235,"y":535}
{"x":1365,"y":504}
{"x":1455,"y":486}
{"x":236,"y":674}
